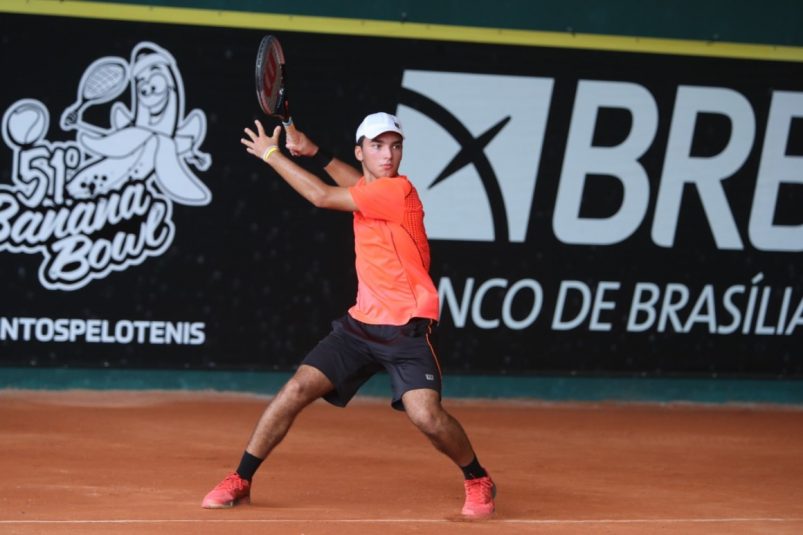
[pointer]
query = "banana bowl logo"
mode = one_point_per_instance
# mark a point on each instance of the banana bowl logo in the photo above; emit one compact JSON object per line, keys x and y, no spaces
{"x":104,"y":201}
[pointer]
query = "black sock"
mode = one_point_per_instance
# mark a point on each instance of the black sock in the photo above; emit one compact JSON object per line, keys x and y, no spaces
{"x":248,"y":465}
{"x":473,"y":470}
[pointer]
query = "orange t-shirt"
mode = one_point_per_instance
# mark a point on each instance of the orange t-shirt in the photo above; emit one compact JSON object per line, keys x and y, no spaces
{"x":392,"y":254}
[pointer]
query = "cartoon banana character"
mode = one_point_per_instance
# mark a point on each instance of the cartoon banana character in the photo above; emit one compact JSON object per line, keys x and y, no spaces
{"x":155,"y":140}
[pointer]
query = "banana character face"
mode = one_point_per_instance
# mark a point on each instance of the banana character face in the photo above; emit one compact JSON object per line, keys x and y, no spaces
{"x":156,"y":101}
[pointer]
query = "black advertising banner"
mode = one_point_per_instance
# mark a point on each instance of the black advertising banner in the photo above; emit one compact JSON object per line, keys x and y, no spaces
{"x":589,"y":211}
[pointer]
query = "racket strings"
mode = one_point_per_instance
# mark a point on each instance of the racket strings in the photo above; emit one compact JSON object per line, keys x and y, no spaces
{"x":273,"y":82}
{"x":103,"y":80}
{"x":270,"y":78}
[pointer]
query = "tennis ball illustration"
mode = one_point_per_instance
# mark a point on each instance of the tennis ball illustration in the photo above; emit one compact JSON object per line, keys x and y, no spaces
{"x":25,"y":122}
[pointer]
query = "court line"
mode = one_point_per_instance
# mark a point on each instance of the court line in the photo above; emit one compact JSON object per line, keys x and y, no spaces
{"x":407,"y":520}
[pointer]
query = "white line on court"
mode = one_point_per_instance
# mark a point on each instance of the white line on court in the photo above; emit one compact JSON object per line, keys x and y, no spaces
{"x":404,"y":520}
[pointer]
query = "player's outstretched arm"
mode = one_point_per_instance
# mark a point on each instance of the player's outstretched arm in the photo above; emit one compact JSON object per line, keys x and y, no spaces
{"x":309,"y":186}
{"x":342,"y":173}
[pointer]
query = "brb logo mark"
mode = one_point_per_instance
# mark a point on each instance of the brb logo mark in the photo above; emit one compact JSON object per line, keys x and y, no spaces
{"x":475,"y":153}
{"x":103,"y":202}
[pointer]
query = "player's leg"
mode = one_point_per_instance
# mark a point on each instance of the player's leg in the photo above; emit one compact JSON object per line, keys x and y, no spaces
{"x":424,"y":409}
{"x":412,"y":362}
{"x":409,"y":353}
{"x":306,"y":385}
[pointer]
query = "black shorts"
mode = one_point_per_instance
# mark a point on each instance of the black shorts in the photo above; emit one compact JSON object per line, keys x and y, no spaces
{"x":354,"y":351}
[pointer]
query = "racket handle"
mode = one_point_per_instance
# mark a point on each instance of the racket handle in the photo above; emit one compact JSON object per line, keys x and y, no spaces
{"x":69,"y":118}
{"x":289,"y":128}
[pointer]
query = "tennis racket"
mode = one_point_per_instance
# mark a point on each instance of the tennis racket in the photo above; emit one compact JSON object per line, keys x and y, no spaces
{"x":271,"y":82}
{"x":102,"y":81}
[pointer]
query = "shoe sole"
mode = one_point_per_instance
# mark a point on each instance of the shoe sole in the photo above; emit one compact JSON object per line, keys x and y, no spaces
{"x":227,"y":505}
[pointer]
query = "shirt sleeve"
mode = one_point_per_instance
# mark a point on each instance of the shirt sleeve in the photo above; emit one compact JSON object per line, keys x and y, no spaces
{"x":382,"y":199}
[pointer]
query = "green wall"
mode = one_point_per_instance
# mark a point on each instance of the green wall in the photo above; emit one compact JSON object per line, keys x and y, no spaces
{"x":778,"y":22}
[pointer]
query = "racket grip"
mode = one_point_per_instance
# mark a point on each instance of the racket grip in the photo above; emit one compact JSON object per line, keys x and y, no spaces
{"x":69,"y":117}
{"x":290,"y":128}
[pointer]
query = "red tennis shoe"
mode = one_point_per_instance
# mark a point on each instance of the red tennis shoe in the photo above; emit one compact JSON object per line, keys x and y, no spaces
{"x":231,"y":491}
{"x":480,"y":494}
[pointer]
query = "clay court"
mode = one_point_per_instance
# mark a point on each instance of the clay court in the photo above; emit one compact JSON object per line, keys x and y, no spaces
{"x":140,"y":461}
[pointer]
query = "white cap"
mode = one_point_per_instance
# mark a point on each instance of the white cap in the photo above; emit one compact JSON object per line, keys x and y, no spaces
{"x":378,"y":123}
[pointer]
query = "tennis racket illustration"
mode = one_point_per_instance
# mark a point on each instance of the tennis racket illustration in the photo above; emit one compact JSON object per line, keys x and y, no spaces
{"x":102,"y":81}
{"x":271,"y":80}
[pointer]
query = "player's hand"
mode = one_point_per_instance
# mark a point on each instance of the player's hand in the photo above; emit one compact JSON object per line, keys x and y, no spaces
{"x":258,"y":142}
{"x":299,"y":144}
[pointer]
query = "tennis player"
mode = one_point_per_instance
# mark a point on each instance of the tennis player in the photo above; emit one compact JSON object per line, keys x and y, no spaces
{"x":391,"y":324}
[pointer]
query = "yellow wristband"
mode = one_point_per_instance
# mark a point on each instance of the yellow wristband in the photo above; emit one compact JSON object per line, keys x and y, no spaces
{"x":270,"y":150}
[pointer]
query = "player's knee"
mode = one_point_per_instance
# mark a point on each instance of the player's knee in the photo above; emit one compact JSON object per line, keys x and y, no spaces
{"x":296,"y":392}
{"x":428,"y":419}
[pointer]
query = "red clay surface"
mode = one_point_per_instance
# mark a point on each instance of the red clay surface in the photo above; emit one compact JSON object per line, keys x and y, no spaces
{"x":140,"y":462}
